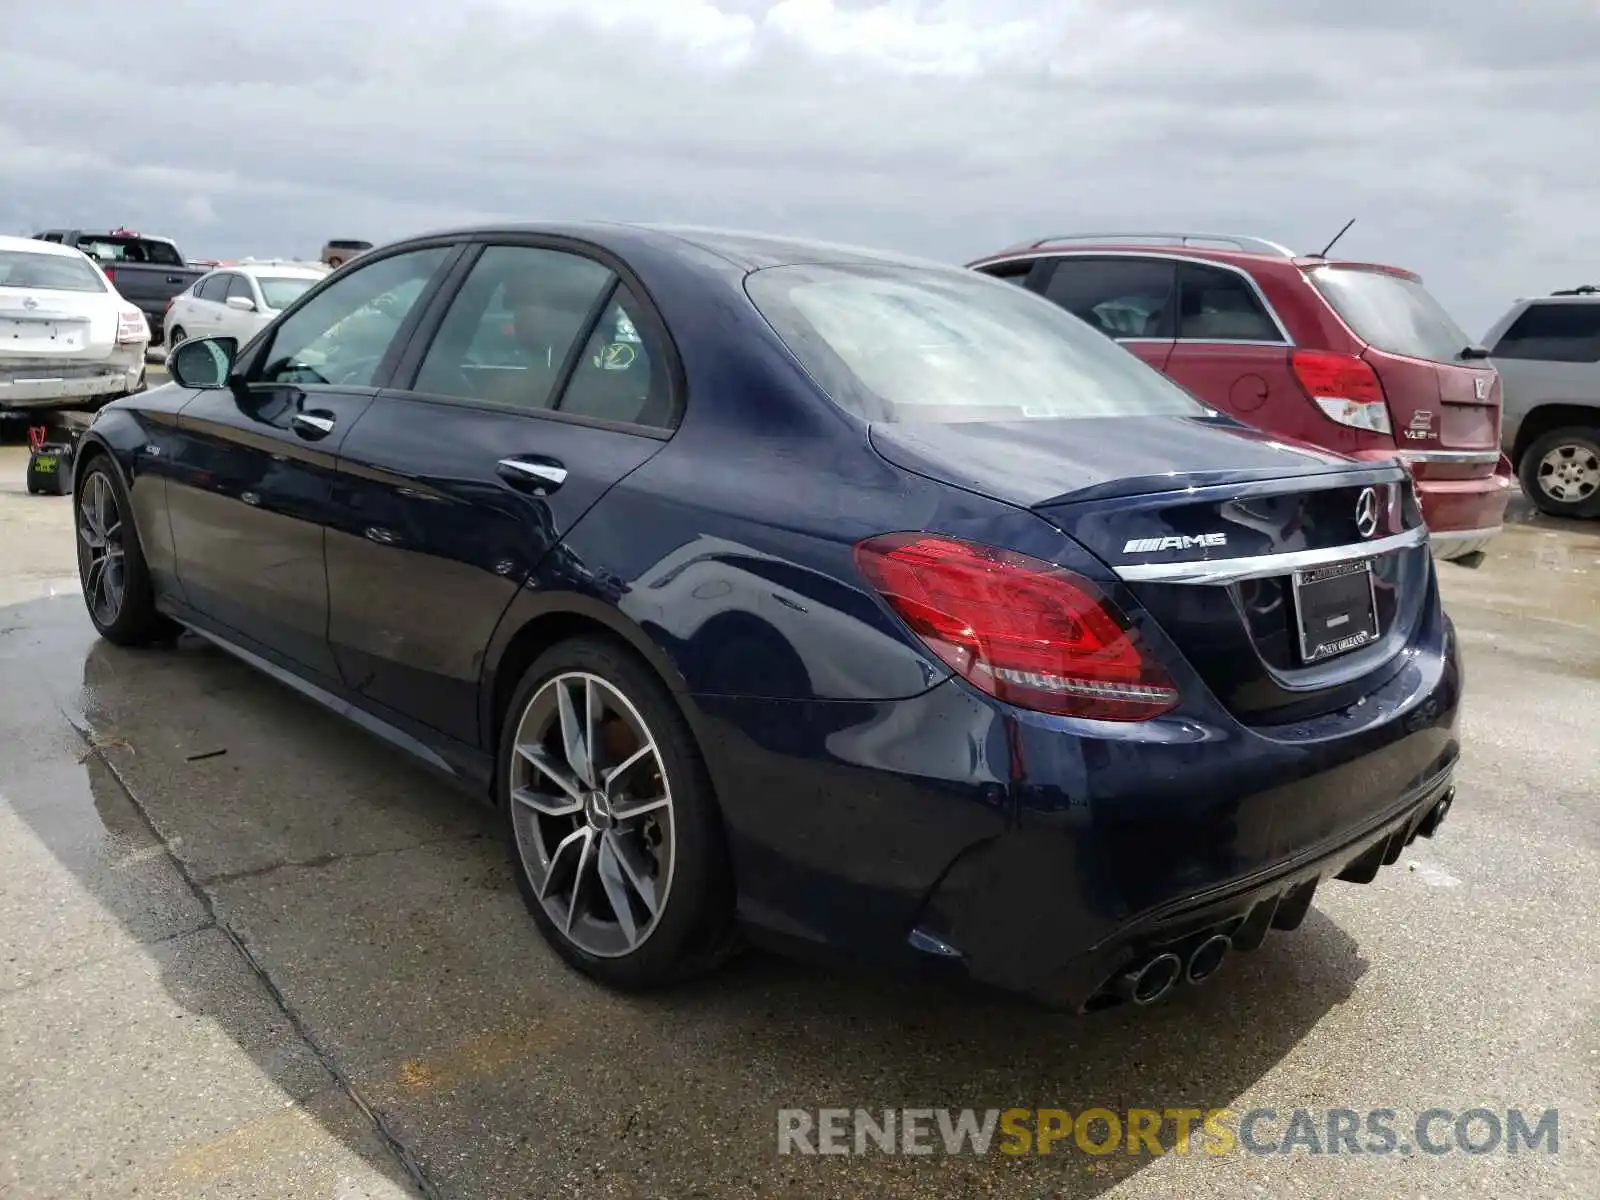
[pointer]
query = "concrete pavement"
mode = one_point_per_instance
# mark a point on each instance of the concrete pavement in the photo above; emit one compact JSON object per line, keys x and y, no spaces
{"x":246,"y":950}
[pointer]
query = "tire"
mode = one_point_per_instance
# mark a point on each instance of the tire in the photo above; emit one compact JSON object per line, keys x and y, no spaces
{"x":175,"y":335}
{"x":1573,"y":468}
{"x":105,"y":534}
{"x":674,"y":853}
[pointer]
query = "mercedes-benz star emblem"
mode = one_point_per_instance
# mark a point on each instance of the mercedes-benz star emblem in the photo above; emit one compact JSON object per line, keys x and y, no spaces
{"x":1367,"y":513}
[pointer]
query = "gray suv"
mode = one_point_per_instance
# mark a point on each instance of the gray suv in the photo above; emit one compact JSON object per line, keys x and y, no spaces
{"x":1548,"y":353}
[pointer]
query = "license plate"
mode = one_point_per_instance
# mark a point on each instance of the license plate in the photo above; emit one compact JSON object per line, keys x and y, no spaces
{"x":1336,"y":608}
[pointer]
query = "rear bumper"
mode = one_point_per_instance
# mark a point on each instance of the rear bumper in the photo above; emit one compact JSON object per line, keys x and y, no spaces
{"x":35,"y":386}
{"x":957,"y":837}
{"x":1463,"y":513}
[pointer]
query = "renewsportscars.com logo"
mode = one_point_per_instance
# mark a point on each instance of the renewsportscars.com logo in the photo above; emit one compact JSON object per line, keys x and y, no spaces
{"x":1214,"y":1131}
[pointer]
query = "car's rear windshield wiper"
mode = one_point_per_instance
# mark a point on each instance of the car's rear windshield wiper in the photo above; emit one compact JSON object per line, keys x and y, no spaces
{"x":1471,"y":352}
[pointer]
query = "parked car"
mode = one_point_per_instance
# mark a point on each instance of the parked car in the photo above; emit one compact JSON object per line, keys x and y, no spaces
{"x":147,"y":270}
{"x":238,"y":301}
{"x":1548,"y":353}
{"x":848,"y":601}
{"x":339,"y":251}
{"x":67,"y":339}
{"x":1350,"y":356}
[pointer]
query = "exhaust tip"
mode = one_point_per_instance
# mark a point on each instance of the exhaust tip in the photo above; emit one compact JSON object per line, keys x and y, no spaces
{"x":1147,"y":984}
{"x":1435,"y":818}
{"x":1207,"y":957}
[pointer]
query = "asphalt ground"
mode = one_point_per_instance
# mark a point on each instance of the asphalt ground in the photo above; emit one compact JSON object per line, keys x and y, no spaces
{"x":246,"y":950}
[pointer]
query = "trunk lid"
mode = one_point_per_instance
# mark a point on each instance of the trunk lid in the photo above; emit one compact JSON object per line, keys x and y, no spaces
{"x":1206,"y":522}
{"x":52,"y":326}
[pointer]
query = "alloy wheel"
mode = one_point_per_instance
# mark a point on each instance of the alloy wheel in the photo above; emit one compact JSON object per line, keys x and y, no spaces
{"x":105,"y":578}
{"x":1570,"y":473}
{"x":592,"y":813}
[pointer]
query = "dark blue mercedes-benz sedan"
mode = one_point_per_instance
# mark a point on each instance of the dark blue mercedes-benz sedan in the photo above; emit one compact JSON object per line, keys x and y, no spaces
{"x":845,"y":602}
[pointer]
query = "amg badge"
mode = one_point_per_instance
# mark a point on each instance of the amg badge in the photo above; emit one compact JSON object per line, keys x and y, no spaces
{"x":1151,"y":545}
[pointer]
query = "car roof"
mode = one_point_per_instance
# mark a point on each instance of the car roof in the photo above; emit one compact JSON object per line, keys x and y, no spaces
{"x":739,"y":248}
{"x":1243,"y":259}
{"x":8,"y":242}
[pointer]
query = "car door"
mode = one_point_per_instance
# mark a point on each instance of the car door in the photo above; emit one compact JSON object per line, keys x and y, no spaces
{"x":237,"y":322}
{"x":1126,"y":297}
{"x":253,"y":462}
{"x":189,"y":309}
{"x":539,"y":384}
{"x":1231,"y":351}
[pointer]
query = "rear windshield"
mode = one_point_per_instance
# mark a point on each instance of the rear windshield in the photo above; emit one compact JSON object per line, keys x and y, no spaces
{"x":1392,"y":313}
{"x":118,"y":249}
{"x":904,"y":344}
{"x":280,"y":291}
{"x":48,"y":272}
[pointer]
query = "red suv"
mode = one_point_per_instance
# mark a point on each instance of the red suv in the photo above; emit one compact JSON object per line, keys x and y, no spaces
{"x":1348,"y":356}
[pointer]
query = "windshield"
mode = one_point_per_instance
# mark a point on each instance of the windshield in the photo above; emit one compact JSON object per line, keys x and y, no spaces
{"x":1392,"y":313}
{"x":118,"y":249}
{"x":905,"y":344}
{"x":48,"y":272}
{"x":280,"y":291}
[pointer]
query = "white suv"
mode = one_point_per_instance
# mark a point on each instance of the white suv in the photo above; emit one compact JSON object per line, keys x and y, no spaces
{"x":238,"y":300}
{"x":1548,"y":353}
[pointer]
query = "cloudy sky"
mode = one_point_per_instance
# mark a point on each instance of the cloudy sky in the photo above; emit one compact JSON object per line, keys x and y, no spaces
{"x":1463,"y":136}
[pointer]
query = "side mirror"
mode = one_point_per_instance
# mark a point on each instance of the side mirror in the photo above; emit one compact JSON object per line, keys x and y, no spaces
{"x":203,"y":362}
{"x":242,"y":303}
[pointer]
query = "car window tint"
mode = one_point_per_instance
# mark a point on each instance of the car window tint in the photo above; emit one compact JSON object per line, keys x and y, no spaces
{"x":341,"y":336}
{"x":211,"y":287}
{"x":239,"y":286}
{"x":1391,"y":312}
{"x":512,"y":325}
{"x":1556,"y":332}
{"x":1121,"y":297}
{"x":913,"y":344}
{"x":621,"y":374}
{"x":48,"y":272}
{"x":1221,"y":306}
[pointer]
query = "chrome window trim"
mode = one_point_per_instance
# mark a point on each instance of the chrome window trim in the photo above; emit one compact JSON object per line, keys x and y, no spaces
{"x":1162,"y":256}
{"x":1260,"y":566}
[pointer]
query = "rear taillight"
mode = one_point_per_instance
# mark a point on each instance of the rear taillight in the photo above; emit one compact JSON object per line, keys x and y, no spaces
{"x":132,"y":327}
{"x":1022,"y":630}
{"x":111,"y":273}
{"x":1344,"y":387}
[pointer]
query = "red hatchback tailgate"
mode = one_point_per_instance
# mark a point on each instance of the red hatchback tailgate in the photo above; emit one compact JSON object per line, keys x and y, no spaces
{"x":1438,"y":400}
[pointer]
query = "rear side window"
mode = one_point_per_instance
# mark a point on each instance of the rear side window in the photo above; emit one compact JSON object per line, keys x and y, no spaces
{"x":1553,"y":333}
{"x":1121,"y":297}
{"x":1220,"y":306}
{"x":115,"y":248}
{"x":906,"y":344}
{"x":48,"y":272}
{"x":1391,"y":312}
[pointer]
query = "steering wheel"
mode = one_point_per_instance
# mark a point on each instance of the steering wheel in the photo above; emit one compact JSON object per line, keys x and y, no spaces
{"x":354,"y":371}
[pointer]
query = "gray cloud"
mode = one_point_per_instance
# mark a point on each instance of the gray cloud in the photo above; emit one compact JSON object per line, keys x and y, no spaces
{"x":1463,"y":144}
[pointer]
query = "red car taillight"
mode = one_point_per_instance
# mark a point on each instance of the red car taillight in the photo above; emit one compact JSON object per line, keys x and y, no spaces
{"x":1022,"y":630}
{"x":1344,"y":387}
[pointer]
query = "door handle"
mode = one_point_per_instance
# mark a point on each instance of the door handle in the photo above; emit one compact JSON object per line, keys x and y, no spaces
{"x":539,"y":477}
{"x":311,"y":425}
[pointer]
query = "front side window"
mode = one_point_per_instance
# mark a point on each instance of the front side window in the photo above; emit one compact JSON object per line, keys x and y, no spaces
{"x":48,"y":272}
{"x":278,"y":292}
{"x":1121,"y":297}
{"x":212,"y":287}
{"x":239,"y":286}
{"x":902,"y":344}
{"x":342,"y":336}
{"x":1554,"y":332}
{"x":512,"y":326}
{"x":1220,"y":306}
